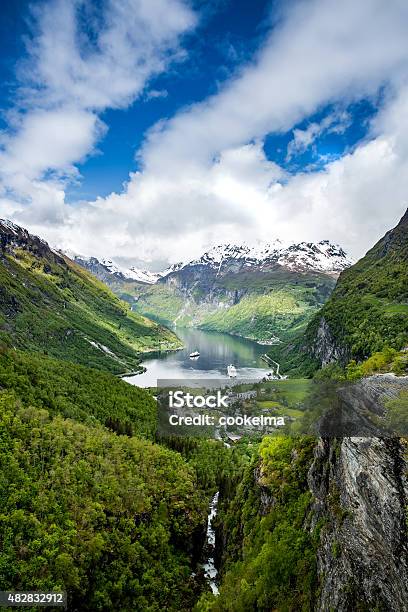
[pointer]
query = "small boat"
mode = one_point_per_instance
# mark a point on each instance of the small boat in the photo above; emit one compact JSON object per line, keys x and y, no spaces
{"x":232,"y":371}
{"x":194,"y":355}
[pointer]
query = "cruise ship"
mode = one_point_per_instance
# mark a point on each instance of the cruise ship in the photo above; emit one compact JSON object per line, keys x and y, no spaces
{"x":232,"y":371}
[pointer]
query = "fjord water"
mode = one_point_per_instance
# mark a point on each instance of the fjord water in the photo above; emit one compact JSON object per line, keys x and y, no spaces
{"x":216,"y":352}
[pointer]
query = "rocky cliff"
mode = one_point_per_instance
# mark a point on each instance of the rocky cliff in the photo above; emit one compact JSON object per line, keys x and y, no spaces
{"x":360,"y":491}
{"x":361,"y":494}
{"x":341,"y":499}
{"x":325,"y":348}
{"x":368,"y":307}
{"x":366,"y":312}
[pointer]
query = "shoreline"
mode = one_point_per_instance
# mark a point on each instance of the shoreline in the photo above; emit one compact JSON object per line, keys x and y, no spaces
{"x":147,"y":354}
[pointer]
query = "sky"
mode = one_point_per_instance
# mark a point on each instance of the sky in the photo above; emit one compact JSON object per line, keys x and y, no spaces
{"x":147,"y":131}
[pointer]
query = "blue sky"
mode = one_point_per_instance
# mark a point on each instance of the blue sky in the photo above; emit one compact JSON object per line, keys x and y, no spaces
{"x":201,"y":125}
{"x":228,"y":33}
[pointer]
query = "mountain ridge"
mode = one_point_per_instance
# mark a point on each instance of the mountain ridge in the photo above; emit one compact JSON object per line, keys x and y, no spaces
{"x":323,"y":256}
{"x":257,"y":292}
{"x":367,"y":311}
{"x":319,"y":257}
{"x":49,"y":304}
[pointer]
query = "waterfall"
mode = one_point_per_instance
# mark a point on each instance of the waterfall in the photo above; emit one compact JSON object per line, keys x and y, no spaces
{"x":210,"y":571}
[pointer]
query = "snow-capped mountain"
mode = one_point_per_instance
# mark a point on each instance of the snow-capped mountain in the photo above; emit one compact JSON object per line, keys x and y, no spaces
{"x":302,"y":257}
{"x":133,"y":273}
{"x":258,"y":292}
{"x":320,"y":257}
{"x":224,"y":252}
{"x":106,"y":270}
{"x":222,"y":259}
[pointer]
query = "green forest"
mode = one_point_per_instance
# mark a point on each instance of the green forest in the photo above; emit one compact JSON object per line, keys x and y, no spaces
{"x":269,"y":558}
{"x":108,"y":518}
{"x":95,"y":503}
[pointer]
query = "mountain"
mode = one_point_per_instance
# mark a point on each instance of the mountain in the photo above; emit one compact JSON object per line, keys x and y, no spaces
{"x":302,"y":257}
{"x":119,"y":522}
{"x":317,"y":523}
{"x":106,"y":269}
{"x":106,"y":511}
{"x":367,"y":311}
{"x":51,"y":305}
{"x":260,"y":293}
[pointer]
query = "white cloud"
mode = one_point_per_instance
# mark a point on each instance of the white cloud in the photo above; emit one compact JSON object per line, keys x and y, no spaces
{"x":205,"y":178}
{"x":156,"y":93}
{"x":322,"y":51}
{"x":335,"y":123}
{"x":71,"y":74}
{"x":131,"y":42}
{"x":50,"y":140}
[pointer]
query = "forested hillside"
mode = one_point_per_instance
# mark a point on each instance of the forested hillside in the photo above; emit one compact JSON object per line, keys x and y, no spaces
{"x":110,"y":519}
{"x":92,"y":505}
{"x":367,"y":311}
{"x":88,"y":504}
{"x":77,"y":392}
{"x":268,"y":558}
{"x":51,"y":305}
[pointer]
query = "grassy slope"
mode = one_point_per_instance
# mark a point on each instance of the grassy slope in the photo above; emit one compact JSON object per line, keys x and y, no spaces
{"x":49,"y":304}
{"x":367,"y":310}
{"x":261,"y":316}
{"x":273,"y":305}
{"x":161,"y":303}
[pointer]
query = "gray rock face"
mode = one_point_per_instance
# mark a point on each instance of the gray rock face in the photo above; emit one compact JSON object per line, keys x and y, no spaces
{"x":354,"y":409}
{"x":360,"y":496}
{"x":325,"y":348}
{"x":360,"y":489}
{"x":96,"y":268}
{"x":371,"y":393}
{"x":13,"y":237}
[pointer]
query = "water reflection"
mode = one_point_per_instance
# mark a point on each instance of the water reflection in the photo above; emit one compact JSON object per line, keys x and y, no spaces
{"x":216,"y":352}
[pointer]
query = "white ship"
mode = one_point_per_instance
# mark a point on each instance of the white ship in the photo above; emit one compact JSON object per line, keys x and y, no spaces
{"x":194,"y":355}
{"x":232,"y":371}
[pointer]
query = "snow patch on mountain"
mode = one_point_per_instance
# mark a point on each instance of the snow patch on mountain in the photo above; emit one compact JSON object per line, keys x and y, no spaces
{"x":133,"y":273}
{"x":109,"y":266}
{"x":7,"y":224}
{"x":322,"y":257}
{"x":305,"y":256}
{"x":143,"y":276}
